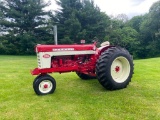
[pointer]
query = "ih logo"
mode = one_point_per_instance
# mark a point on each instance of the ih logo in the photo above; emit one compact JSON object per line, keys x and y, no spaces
{"x":46,"y":56}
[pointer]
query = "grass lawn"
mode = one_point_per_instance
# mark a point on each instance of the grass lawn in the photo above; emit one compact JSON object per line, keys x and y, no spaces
{"x":76,"y":99}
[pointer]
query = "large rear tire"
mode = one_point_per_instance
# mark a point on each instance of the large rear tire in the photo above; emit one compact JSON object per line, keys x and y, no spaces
{"x":114,"y":68}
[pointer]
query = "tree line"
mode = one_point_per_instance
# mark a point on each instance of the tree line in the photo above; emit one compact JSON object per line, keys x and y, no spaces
{"x":25,"y":23}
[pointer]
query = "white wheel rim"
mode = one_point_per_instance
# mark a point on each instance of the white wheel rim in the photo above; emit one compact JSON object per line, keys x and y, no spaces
{"x":45,"y":86}
{"x":120,"y":69}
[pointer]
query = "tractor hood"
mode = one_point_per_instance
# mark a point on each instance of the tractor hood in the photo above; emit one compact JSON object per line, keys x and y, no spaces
{"x":57,"y":48}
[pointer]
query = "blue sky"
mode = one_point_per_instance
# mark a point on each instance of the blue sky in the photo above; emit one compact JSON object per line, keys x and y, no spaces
{"x":114,"y":7}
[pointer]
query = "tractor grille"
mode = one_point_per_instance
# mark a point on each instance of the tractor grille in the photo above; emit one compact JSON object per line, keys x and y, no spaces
{"x":39,"y":60}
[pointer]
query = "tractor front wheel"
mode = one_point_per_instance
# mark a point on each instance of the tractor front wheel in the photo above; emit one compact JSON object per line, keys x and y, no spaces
{"x":114,"y":68}
{"x":44,"y":84}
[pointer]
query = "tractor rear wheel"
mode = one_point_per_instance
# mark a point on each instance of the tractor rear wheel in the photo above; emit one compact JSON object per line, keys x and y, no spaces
{"x":85,"y":76}
{"x":114,"y":68}
{"x":44,"y":84}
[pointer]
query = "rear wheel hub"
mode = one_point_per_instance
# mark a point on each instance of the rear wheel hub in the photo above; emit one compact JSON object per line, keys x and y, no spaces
{"x":120,"y":69}
{"x":117,"y":69}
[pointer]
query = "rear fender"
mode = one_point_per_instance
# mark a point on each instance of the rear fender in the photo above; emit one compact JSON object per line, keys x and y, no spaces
{"x":103,"y":48}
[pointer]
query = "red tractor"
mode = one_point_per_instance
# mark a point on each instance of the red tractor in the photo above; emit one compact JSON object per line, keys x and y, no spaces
{"x":111,"y":65}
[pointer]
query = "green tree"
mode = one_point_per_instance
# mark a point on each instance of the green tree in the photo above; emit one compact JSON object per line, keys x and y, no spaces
{"x":25,"y":23}
{"x":93,"y":21}
{"x":80,"y":19}
{"x":65,"y":18}
{"x":155,"y":25}
{"x":135,"y":22}
{"x":122,"y":17}
{"x":149,"y":30}
{"x":126,"y":37}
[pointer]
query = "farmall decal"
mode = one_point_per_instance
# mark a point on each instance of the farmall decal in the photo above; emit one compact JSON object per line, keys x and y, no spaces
{"x":46,"y":56}
{"x":63,"y":49}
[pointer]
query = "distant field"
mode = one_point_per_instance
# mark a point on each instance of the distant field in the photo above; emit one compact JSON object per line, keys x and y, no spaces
{"x":76,"y":99}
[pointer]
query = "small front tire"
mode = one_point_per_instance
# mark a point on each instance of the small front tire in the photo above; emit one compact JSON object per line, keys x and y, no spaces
{"x":44,"y":84}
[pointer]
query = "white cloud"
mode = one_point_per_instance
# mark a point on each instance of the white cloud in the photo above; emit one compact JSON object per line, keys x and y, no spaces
{"x":115,"y":7}
{"x":128,"y":7}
